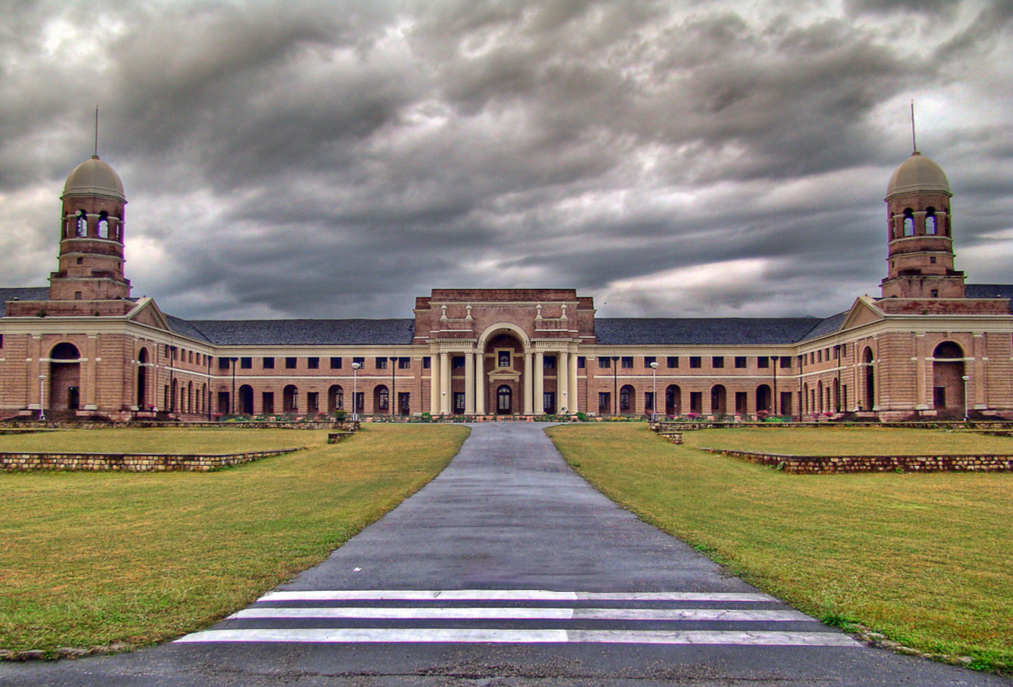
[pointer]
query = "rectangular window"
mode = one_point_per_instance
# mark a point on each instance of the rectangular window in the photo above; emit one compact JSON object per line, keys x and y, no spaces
{"x":267,"y":402}
{"x":627,"y":362}
{"x":740,"y":362}
{"x":762,"y":361}
{"x":604,"y":363}
{"x":649,"y":401}
{"x":268,"y":363}
{"x":503,"y":359}
{"x":581,"y":362}
{"x":695,"y":361}
{"x":223,"y":363}
{"x":785,"y":362}
{"x":361,"y":361}
{"x":313,"y":363}
{"x":457,"y":362}
{"x":459,"y":402}
{"x":648,"y":359}
{"x":1,"y":340}
{"x":360,"y":401}
{"x":313,"y":402}
{"x":404,"y":363}
{"x":246,"y":363}
{"x":427,"y":363}
{"x":819,"y":356}
{"x":549,"y":362}
{"x":673,"y":361}
{"x":604,"y":402}
{"x":336,"y":363}
{"x":718,"y":361}
{"x":381,"y":363}
{"x":290,"y":363}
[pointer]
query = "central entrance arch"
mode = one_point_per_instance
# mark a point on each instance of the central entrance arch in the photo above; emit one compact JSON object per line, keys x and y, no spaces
{"x":501,"y":374}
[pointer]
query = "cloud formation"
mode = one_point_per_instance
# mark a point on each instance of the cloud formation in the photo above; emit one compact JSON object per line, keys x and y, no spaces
{"x":312,"y":159}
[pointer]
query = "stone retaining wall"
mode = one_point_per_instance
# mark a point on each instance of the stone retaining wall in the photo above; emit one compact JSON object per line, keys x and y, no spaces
{"x":835,"y":464}
{"x":129,"y":462}
{"x":688,"y":426}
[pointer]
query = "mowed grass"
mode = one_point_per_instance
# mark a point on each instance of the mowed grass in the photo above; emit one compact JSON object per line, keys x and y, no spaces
{"x":161,"y":440}
{"x":926,"y":559}
{"x":99,"y":558}
{"x":858,"y":441}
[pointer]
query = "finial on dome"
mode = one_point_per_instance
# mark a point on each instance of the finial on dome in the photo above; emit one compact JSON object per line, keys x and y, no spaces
{"x":95,"y":155}
{"x":914,"y":142}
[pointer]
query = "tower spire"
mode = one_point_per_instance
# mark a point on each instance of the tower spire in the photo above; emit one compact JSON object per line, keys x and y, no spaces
{"x":96,"y":131}
{"x":914,"y":142}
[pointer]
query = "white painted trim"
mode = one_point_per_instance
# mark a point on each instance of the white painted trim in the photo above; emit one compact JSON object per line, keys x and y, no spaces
{"x":508,"y":595}
{"x":522,"y":613}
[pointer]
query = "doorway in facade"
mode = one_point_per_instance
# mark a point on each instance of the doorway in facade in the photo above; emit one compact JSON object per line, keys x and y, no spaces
{"x":504,"y":400}
{"x":65,"y":377}
{"x":948,"y":377}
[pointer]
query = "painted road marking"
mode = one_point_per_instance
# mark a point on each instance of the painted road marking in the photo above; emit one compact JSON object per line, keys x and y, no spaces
{"x":472,"y":613}
{"x":495,"y":636}
{"x":510,"y":595}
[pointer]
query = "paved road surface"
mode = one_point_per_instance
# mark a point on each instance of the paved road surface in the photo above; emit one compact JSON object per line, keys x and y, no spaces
{"x":508,"y":569}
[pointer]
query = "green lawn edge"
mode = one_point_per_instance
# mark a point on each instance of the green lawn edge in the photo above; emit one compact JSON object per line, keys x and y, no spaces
{"x":115,"y":561}
{"x":920,"y":559}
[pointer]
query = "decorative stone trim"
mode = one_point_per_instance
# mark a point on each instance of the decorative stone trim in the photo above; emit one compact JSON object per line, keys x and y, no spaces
{"x":130,"y":462}
{"x":837,"y":464}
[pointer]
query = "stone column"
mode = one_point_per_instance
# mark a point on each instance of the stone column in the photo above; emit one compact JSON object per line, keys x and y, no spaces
{"x":528,"y":384}
{"x":921,"y":399}
{"x":572,"y":384}
{"x":563,"y":382}
{"x":539,"y":399}
{"x":445,"y":397}
{"x":977,"y":380}
{"x":434,"y":384}
{"x":469,"y":383}
{"x":479,"y":383}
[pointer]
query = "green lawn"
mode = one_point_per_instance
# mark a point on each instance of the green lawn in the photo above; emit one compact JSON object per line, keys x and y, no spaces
{"x":926,"y":559}
{"x":96,"y":558}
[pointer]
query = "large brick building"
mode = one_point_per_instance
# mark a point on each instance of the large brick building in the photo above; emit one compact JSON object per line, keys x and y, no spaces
{"x":930,"y":346}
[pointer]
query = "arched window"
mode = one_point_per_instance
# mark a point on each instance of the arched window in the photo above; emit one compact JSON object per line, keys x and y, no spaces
{"x":335,"y":398}
{"x":103,"y":225}
{"x":82,"y":223}
{"x":246,"y":399}
{"x":870,"y":380}
{"x":381,"y":399}
{"x":930,"y":222}
{"x":719,"y":400}
{"x":673,"y":400}
{"x":288,"y":399}
{"x":909,"y":223}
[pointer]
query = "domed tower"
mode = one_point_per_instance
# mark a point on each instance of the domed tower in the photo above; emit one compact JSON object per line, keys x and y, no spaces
{"x":920,"y":241}
{"x":91,"y":236}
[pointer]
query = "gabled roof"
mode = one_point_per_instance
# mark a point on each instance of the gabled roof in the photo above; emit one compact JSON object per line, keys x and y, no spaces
{"x":31,"y":293}
{"x":716,"y":331}
{"x":306,"y":332}
{"x":180,"y":326}
{"x":828,"y":325}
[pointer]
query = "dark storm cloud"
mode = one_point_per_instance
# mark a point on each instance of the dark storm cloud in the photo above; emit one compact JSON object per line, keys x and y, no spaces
{"x":337,"y":159}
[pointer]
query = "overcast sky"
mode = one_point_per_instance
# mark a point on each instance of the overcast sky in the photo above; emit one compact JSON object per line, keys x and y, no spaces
{"x":337,"y":159}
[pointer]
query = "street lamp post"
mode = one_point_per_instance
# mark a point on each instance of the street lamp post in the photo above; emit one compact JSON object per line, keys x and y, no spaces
{"x":654,"y":392}
{"x":773,"y":401}
{"x":393,"y":396}
{"x":615,"y":385}
{"x":965,"y":378}
{"x":355,"y":391}
{"x":42,"y":398}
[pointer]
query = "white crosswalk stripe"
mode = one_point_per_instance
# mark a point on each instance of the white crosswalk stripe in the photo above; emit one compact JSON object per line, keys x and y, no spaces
{"x":520,"y":617}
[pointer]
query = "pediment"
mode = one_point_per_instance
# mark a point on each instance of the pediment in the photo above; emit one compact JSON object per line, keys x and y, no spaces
{"x":863,"y":311}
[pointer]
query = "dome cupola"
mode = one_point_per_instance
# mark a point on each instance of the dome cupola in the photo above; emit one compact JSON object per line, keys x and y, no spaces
{"x":917,"y":174}
{"x":94,"y":178}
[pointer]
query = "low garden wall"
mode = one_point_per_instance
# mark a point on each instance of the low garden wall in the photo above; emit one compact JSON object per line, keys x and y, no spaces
{"x":130,"y":462}
{"x":837,"y":464}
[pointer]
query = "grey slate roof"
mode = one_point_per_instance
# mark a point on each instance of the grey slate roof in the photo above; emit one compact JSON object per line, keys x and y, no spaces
{"x":828,"y":325}
{"x":716,"y":331}
{"x":989,"y":291}
{"x":306,"y":332}
{"x":31,"y":293}
{"x":180,"y":326}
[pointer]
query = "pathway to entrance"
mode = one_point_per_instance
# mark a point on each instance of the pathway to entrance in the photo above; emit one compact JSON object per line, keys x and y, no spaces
{"x":508,"y":569}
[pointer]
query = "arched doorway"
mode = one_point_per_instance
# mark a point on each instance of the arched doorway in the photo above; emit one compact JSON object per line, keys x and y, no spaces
{"x":501,"y":363}
{"x":819,"y":396}
{"x":870,"y":380}
{"x":142,"y":380}
{"x":504,"y":400}
{"x":335,"y":399}
{"x":288,"y":399}
{"x":948,"y":377}
{"x":763,"y":398}
{"x":719,"y":400}
{"x":64,"y":377}
{"x":381,"y":399}
{"x":626,"y":399}
{"x":673,"y":400}
{"x":246,"y":399}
